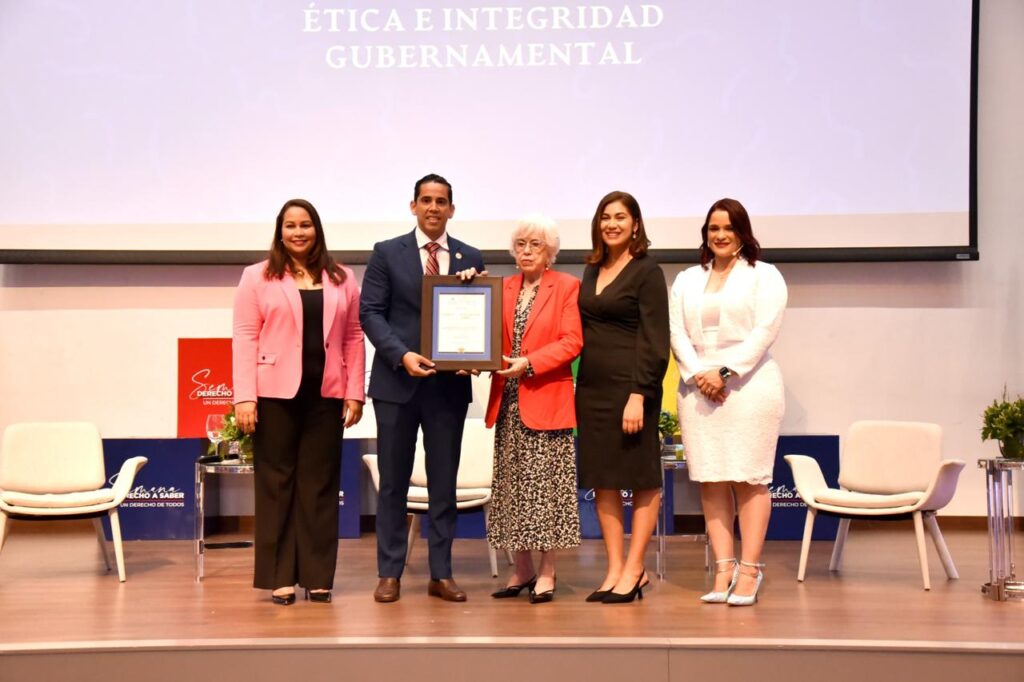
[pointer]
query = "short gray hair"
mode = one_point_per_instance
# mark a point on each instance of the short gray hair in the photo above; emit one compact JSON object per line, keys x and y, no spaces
{"x":539,"y":224}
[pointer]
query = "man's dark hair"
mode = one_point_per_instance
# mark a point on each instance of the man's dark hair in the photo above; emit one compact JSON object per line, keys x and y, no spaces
{"x":432,"y":177}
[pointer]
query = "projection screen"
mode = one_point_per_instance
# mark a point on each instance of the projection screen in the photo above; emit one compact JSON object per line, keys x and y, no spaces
{"x":170,"y":131}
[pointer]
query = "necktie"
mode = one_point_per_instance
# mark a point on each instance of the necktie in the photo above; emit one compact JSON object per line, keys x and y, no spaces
{"x":432,"y":268}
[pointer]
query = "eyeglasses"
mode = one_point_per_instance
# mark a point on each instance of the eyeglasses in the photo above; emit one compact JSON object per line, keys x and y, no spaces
{"x":520,"y":245}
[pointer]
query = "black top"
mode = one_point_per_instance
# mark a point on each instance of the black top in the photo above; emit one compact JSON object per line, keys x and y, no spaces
{"x":313,"y":354}
{"x":625,"y":350}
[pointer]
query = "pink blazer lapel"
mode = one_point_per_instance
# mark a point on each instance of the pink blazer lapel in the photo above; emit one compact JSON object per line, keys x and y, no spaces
{"x":330,"y":304}
{"x":291,"y":293}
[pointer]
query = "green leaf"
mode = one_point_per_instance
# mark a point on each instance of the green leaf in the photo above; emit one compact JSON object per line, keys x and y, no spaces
{"x":1003,"y":420}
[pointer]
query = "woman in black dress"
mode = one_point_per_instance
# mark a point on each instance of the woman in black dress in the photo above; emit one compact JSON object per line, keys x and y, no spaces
{"x":624,"y":308}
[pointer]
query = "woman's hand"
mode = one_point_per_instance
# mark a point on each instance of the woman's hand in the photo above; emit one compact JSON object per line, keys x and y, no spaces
{"x":245,"y":416}
{"x":633,"y":414}
{"x":352,"y":413}
{"x":516,"y":367}
{"x":718,"y":396}
{"x":467,"y":275}
{"x":711,"y":385}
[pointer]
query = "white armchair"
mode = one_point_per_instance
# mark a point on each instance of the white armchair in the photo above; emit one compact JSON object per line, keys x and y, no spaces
{"x":55,"y":471}
{"x":472,"y":488}
{"x":888,"y":470}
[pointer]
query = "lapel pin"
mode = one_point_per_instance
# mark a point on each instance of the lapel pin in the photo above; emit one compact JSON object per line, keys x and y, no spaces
{"x":458,"y":255}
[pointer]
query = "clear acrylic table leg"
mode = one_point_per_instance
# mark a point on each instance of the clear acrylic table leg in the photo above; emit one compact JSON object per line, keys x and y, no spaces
{"x":200,"y":546}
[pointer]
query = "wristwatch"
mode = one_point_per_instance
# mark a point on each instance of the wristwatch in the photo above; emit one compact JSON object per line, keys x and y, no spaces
{"x":725,"y":373}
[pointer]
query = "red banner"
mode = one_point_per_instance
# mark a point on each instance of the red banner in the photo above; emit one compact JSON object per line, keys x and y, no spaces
{"x":204,"y":383}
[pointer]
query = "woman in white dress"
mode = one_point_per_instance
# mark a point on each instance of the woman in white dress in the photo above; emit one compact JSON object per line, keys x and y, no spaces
{"x":724,"y":314}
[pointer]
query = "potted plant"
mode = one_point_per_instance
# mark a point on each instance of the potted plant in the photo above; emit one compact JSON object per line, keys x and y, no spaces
{"x":1004,"y":421}
{"x":668,"y":426}
{"x":668,"y":429}
{"x":239,"y":443}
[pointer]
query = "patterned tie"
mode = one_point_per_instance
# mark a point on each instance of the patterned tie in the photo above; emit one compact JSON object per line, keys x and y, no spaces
{"x":432,"y":267}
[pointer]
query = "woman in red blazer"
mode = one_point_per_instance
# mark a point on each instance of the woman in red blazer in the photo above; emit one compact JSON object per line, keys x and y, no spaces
{"x":298,"y":364}
{"x":531,"y":401}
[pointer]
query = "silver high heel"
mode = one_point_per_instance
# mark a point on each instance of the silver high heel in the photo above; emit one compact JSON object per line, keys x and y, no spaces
{"x":723,"y":597}
{"x":740,"y":600}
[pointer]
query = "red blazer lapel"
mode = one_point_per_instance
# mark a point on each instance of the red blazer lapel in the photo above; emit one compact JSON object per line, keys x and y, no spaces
{"x":544,"y":292}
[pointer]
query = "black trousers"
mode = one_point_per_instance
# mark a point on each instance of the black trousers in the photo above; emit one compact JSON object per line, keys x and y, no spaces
{"x":442,"y":417}
{"x":297,"y":475}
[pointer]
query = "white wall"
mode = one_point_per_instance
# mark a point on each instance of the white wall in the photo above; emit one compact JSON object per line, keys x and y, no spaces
{"x":928,"y":341}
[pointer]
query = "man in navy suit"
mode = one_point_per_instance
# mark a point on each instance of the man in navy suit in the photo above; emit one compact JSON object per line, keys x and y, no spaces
{"x":409,"y":394}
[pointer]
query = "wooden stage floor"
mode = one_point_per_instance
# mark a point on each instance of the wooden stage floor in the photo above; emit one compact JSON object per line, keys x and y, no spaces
{"x":55,"y":596}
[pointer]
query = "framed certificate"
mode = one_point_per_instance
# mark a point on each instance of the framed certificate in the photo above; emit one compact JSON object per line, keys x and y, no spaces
{"x":461,"y":324}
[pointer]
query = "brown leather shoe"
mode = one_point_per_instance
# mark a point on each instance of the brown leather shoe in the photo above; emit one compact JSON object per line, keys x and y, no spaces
{"x":388,"y":590}
{"x":446,"y":589}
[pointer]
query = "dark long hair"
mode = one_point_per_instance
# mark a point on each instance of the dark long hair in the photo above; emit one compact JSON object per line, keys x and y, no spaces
{"x":319,"y":259}
{"x":750,"y":248}
{"x":637,"y":246}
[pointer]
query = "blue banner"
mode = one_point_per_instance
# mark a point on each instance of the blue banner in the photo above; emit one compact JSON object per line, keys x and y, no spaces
{"x":350,"y":494}
{"x":589,"y":525}
{"x":788,"y":510}
{"x":161,"y":504}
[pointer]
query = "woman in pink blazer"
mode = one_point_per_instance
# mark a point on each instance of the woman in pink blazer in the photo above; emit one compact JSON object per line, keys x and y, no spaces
{"x":298,"y":360}
{"x":534,"y":505}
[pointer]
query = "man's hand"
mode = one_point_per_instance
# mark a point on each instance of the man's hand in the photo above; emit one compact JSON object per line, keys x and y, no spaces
{"x":467,"y":275}
{"x":417,"y":366}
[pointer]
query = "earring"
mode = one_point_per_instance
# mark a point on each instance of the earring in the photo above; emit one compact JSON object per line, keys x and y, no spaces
{"x":634,"y":234}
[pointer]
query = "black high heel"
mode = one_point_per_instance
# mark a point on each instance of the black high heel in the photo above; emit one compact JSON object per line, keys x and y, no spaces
{"x":514,"y":590}
{"x":546,"y":595}
{"x":636,"y":593}
{"x":318,"y":597}
{"x":599,"y":595}
{"x":283,"y":599}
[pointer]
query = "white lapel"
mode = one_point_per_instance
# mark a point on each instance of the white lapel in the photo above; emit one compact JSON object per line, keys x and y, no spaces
{"x":695,"y":293}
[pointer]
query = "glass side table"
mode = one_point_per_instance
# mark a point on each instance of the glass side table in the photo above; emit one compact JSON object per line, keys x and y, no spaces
{"x":204,"y":469}
{"x":669,"y":465}
{"x":1003,"y":583}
